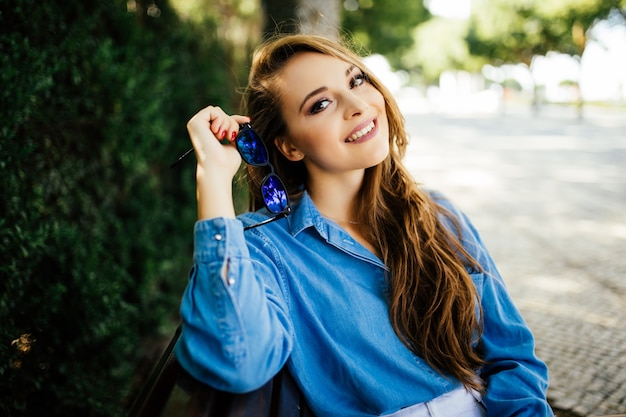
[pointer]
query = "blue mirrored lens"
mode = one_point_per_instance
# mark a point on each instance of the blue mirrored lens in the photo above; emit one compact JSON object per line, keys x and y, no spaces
{"x":251,"y":147}
{"x":274,"y":194}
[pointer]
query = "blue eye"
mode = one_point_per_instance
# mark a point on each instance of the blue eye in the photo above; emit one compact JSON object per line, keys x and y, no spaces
{"x":319,"y":106}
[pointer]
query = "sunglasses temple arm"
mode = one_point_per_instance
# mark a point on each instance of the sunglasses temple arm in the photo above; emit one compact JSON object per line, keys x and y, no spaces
{"x":183,"y":156}
{"x":180,"y":158}
{"x":266,"y":221}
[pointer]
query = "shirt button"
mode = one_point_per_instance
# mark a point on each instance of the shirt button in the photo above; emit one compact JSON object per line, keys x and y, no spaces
{"x":218,"y":236}
{"x":231,"y":281}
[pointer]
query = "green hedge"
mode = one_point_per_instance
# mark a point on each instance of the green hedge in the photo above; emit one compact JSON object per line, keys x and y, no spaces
{"x":95,"y":229}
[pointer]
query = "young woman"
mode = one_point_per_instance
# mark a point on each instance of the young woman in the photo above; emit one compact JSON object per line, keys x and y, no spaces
{"x":379,"y":296}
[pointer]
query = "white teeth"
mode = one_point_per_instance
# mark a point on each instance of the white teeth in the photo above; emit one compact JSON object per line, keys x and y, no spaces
{"x":361,"y":132}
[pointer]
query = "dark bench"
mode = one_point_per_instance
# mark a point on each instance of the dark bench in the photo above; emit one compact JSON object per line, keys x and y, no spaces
{"x":171,"y":392}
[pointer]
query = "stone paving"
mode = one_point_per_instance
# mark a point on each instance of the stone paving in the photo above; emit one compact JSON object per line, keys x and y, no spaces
{"x":548,"y":194}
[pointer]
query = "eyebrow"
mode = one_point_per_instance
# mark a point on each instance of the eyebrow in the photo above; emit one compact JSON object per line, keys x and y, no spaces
{"x":319,"y":90}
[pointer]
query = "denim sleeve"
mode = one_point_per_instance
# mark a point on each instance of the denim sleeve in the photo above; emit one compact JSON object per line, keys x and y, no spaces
{"x":516,"y":380}
{"x":236,"y":334}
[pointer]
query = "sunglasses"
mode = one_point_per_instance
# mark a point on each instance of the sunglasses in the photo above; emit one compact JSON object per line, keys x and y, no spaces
{"x":254,"y":152}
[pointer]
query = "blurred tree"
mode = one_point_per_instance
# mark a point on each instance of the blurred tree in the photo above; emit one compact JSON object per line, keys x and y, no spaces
{"x":94,"y":227}
{"x":320,"y":17}
{"x":384,"y":27}
{"x":237,"y":26}
{"x":517,"y":30}
{"x":440,"y":46}
{"x":279,"y":16}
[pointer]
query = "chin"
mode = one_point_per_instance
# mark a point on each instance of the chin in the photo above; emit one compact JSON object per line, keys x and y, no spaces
{"x":379,"y":157}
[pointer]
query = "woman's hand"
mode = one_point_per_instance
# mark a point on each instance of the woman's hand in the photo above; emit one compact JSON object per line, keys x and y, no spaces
{"x":207,"y":129}
{"x":217,"y":163}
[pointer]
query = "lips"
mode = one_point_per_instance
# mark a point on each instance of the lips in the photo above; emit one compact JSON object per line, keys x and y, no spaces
{"x":361,"y":132}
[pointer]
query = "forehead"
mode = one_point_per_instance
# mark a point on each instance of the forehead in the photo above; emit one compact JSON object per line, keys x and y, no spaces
{"x":303,"y":61}
{"x":307,"y":71}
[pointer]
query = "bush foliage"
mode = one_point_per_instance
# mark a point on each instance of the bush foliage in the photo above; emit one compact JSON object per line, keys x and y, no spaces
{"x":94,"y":226}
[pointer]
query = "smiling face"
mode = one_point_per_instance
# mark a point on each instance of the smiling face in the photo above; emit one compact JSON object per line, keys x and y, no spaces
{"x":336,"y":120}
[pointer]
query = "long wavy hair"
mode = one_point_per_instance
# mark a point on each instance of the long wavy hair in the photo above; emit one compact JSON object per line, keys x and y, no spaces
{"x":433,"y":304}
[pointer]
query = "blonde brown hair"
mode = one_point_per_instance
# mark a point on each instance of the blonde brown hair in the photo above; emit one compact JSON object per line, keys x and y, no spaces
{"x":433,"y":302}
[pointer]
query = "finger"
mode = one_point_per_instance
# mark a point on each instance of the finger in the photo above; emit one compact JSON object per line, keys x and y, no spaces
{"x":232,"y":128}
{"x":203,"y":120}
{"x":219,"y":125}
{"x":236,"y":121}
{"x":241,"y":119}
{"x":229,"y":127}
{"x":216,"y":118}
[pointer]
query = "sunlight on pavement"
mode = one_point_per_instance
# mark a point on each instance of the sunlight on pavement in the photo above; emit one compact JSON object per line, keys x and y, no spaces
{"x":569,"y":311}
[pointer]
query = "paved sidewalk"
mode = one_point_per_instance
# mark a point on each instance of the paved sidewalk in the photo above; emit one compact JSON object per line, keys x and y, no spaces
{"x":548,"y":194}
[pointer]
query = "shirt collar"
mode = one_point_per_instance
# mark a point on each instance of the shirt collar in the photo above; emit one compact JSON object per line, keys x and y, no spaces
{"x":304,"y":214}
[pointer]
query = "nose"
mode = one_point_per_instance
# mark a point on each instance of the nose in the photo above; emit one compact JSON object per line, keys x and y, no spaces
{"x":355,"y":105}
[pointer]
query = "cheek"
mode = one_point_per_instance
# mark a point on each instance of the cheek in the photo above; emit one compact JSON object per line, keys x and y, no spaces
{"x":310,"y":142}
{"x":376,"y":96}
{"x":383,"y":113}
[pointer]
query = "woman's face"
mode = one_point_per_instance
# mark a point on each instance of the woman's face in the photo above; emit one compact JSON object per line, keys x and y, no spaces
{"x":336,"y":120}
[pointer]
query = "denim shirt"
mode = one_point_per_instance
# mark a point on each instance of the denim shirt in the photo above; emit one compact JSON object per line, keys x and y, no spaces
{"x":301,"y":291}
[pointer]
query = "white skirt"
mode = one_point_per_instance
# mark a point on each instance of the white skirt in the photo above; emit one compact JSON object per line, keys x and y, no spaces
{"x":457,"y":403}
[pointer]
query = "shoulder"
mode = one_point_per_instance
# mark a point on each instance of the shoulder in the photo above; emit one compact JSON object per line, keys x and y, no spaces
{"x":452,"y":217}
{"x":441,"y":200}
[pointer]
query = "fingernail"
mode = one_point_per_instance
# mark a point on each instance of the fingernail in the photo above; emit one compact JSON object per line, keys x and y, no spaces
{"x":222,"y":134}
{"x":233,"y":136}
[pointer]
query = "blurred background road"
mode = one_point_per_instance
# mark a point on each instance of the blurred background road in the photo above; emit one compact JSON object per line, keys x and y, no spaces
{"x":547,"y":191}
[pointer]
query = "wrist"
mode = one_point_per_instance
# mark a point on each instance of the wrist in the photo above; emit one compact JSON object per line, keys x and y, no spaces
{"x":214,"y":195}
